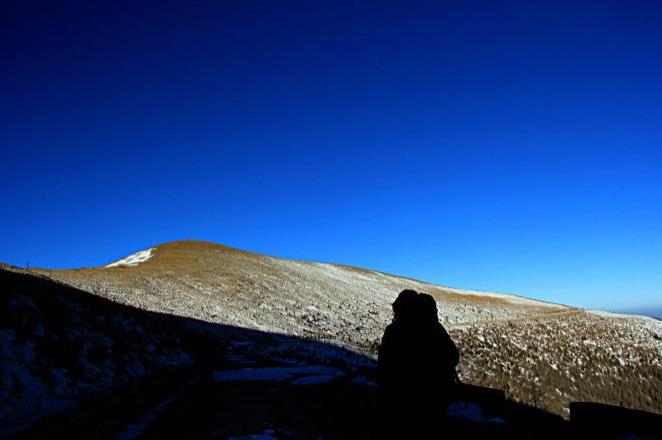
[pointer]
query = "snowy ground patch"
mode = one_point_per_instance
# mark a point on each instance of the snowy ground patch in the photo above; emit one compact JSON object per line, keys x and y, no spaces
{"x":268,"y":434}
{"x":134,"y":259}
{"x":605,"y":314}
{"x":470,"y":411}
{"x":513,"y":299}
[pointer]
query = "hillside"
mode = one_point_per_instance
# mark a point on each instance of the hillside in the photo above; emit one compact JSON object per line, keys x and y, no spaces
{"x":339,"y":303}
{"x":540,"y":353}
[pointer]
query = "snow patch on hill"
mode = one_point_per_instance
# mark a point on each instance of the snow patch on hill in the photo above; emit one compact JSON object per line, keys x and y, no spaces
{"x":134,"y":259}
{"x":513,"y":299}
{"x":606,"y":314}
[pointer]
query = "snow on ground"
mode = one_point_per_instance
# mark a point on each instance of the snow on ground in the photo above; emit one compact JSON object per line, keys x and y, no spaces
{"x":277,"y":374}
{"x":513,"y":299}
{"x":575,"y":357}
{"x":134,"y":259}
{"x":268,"y":434}
{"x":605,"y":314}
{"x":654,"y":326}
{"x":470,"y":411}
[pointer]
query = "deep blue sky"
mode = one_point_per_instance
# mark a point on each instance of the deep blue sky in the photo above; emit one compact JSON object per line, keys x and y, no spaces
{"x":508,"y":146}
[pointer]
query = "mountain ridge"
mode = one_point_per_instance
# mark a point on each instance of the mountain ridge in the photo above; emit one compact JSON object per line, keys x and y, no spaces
{"x":340,"y":265}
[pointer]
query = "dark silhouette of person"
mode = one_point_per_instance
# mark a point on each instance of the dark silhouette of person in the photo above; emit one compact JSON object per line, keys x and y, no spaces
{"x":416,"y":369}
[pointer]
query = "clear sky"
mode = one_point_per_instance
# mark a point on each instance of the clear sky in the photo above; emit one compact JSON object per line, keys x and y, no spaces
{"x":507,"y":146}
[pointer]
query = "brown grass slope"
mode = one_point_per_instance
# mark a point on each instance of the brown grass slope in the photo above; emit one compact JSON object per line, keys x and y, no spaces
{"x":540,"y":353}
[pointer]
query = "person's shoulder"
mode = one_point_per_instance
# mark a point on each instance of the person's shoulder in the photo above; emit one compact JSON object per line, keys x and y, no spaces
{"x":391,"y":330}
{"x":440,"y":329}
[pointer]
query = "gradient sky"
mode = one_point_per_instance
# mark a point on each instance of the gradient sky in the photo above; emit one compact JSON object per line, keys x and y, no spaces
{"x":506,"y":146}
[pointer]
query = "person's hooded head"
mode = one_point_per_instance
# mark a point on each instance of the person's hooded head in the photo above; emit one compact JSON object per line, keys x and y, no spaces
{"x":428,"y":308}
{"x":405,"y":307}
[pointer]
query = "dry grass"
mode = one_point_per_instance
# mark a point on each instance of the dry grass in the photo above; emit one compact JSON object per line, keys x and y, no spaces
{"x":531,"y":350}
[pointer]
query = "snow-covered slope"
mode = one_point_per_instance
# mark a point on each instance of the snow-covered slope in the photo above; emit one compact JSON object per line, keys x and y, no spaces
{"x":541,"y":353}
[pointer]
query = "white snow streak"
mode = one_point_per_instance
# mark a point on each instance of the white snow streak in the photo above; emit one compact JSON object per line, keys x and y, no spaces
{"x":134,"y":259}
